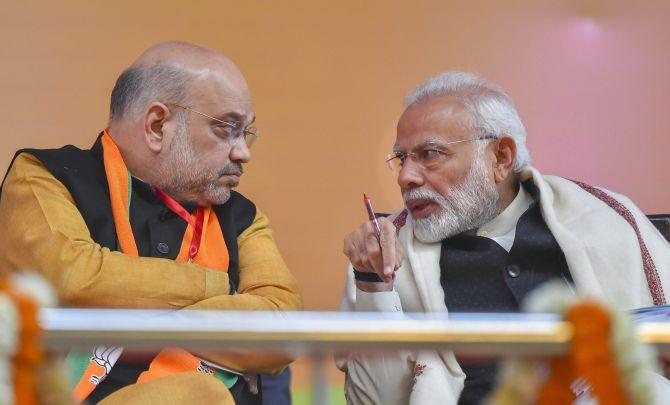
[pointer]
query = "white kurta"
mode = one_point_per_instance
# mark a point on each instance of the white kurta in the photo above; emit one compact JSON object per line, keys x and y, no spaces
{"x":603,"y":254}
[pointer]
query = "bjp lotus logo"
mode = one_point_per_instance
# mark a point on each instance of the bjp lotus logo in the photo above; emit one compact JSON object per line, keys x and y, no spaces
{"x":104,"y":358}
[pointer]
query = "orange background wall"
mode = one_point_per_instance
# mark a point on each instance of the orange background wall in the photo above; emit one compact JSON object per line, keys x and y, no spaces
{"x":590,"y":78}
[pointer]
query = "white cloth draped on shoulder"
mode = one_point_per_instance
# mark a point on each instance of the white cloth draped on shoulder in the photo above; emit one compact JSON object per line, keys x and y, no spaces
{"x":612,"y":250}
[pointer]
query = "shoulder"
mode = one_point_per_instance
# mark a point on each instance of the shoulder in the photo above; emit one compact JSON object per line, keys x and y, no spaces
{"x":560,"y":191}
{"x":68,"y":160}
{"x":579,"y":204}
{"x":26,"y":166}
{"x":59,"y":156}
{"x":605,"y":196}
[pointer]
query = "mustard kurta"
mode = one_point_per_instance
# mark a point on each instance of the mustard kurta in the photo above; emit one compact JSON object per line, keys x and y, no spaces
{"x":43,"y":229}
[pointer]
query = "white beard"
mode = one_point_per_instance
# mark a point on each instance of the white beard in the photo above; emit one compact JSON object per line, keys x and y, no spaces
{"x":467,"y":206}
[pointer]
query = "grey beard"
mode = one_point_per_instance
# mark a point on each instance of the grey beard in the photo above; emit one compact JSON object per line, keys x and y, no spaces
{"x":467,"y":206}
{"x":181,"y":173}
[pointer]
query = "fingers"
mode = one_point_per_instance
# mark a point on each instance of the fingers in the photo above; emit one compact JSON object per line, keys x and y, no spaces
{"x":362,"y":248}
{"x":368,"y":254}
{"x":356,"y":251}
{"x":353,"y":250}
{"x":399,"y":254}
{"x":373,"y":253}
{"x":388,"y":245}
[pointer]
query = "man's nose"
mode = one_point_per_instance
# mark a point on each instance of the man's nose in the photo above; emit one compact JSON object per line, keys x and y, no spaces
{"x":240,"y":152}
{"x":410,"y":175}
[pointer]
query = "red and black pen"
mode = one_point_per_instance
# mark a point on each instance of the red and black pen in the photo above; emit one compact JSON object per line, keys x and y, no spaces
{"x":373,"y":217}
{"x":388,"y":271}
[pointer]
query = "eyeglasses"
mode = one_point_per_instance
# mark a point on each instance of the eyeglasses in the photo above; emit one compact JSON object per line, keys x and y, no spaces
{"x":232,"y":131}
{"x":429,"y":156}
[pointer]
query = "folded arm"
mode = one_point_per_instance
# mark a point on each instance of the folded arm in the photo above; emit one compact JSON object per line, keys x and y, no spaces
{"x":265,"y":284}
{"x":43,"y":230}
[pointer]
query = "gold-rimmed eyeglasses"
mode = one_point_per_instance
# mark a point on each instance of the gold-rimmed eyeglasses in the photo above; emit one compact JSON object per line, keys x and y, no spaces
{"x":233,"y":131}
{"x":429,"y":155}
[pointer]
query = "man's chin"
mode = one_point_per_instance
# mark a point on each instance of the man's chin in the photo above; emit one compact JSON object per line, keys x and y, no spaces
{"x":218,"y":196}
{"x":425,"y":230}
{"x":435,"y":228}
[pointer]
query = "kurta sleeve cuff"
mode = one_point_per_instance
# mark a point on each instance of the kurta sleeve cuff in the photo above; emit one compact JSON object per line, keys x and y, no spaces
{"x":387,"y":301}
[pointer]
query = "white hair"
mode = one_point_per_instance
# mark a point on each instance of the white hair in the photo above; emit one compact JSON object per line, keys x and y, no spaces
{"x":492,"y":111}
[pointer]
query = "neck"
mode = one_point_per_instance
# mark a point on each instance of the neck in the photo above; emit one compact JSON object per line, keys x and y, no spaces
{"x":136,"y":164}
{"x":508,"y":191}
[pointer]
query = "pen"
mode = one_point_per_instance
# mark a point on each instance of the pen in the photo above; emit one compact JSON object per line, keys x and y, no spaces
{"x":373,"y":217}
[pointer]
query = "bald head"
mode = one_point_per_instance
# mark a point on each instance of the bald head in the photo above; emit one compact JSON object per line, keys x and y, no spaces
{"x":177,"y":115}
{"x":185,"y":53}
{"x":172,"y":72}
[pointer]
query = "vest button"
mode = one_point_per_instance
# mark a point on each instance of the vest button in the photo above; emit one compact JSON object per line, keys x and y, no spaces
{"x":513,"y":270}
{"x":163,"y":248}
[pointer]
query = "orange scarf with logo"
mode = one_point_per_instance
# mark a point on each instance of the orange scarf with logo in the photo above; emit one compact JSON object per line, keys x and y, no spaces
{"x":212,"y":254}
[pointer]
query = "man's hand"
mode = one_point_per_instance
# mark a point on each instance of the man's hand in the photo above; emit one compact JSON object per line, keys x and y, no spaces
{"x":367,"y":254}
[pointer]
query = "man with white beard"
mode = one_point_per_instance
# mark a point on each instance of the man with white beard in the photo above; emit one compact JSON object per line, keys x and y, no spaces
{"x":480,"y":229}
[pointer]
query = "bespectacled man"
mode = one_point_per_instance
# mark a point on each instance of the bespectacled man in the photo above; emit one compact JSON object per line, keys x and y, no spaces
{"x":148,"y":218}
{"x":480,"y":229}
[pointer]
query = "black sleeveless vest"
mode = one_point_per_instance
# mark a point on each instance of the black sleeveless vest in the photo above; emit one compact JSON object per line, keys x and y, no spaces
{"x":82,"y":172}
{"x":158,"y":232}
{"x":477,"y":274}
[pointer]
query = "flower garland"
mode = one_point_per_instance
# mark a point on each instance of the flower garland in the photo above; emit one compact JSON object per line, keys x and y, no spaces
{"x":590,"y":357}
{"x":22,"y":360}
{"x":605,"y":360}
{"x":8,"y":342}
{"x":28,"y":354}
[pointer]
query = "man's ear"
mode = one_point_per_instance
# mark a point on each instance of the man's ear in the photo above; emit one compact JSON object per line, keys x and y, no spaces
{"x":154,"y":119}
{"x":505,"y":155}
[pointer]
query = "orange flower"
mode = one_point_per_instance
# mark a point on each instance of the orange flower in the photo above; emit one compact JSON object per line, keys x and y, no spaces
{"x":590,"y":357}
{"x":29,"y":355}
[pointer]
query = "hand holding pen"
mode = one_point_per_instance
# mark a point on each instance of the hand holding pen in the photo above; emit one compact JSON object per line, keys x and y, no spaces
{"x":374,"y":248}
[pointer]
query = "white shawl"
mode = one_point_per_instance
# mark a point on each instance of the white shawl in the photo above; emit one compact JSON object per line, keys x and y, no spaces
{"x":604,"y":256}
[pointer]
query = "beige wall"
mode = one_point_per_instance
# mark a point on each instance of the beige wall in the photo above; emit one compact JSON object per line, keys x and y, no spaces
{"x":590,"y":78}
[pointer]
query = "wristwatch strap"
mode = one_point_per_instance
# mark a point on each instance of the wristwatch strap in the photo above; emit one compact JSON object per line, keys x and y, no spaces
{"x":367,"y":276}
